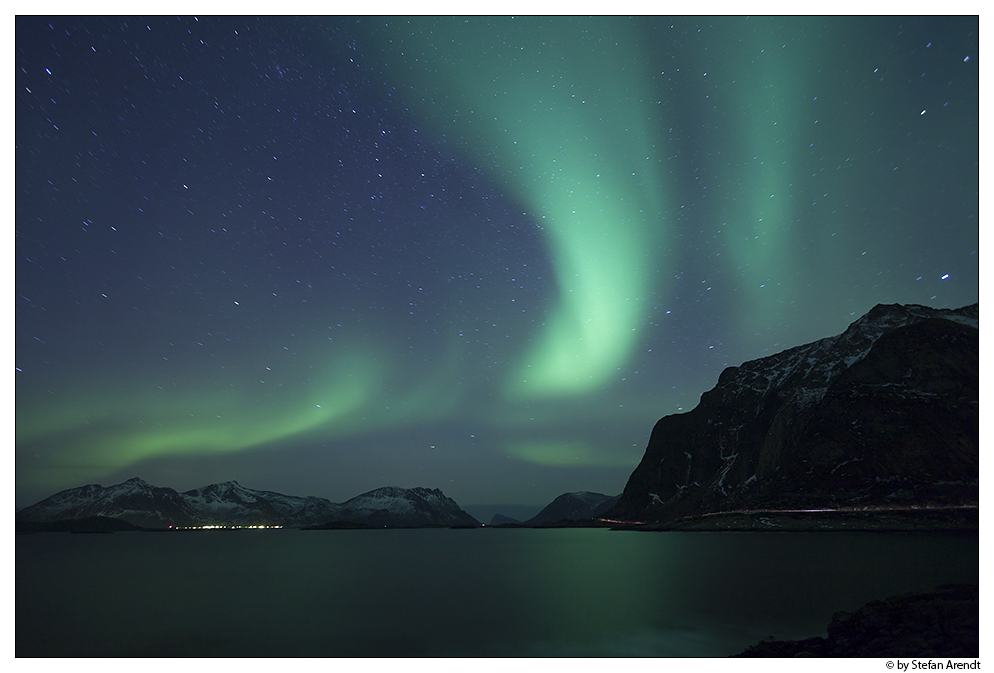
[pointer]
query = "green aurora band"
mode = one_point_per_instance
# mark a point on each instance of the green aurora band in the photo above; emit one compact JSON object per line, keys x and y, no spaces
{"x":568,"y":112}
{"x":761,"y":84}
{"x":575,"y":118}
{"x":116,"y":426}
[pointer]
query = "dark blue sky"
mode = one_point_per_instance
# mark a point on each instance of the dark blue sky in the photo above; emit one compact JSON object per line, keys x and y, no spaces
{"x":323,"y":255}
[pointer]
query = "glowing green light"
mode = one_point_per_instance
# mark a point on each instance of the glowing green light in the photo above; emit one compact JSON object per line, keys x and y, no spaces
{"x":567,"y":114}
{"x":91,"y":434}
{"x":564,"y":108}
{"x":763,"y":234}
{"x":120,"y":430}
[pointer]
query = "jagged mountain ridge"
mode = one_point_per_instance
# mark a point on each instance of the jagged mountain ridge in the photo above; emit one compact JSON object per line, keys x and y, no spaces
{"x":884,"y":414}
{"x":228,"y":503}
{"x":134,"y":500}
{"x":411,"y":507}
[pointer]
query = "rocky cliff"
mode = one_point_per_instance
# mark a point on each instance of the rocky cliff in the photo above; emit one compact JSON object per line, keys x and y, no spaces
{"x":883,"y":415}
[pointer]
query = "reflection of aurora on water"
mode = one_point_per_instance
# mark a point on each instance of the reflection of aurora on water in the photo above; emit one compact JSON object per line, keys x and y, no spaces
{"x":518,"y":241}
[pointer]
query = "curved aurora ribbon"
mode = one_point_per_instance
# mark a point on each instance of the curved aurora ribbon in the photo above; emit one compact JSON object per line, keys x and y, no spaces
{"x":566,"y":108}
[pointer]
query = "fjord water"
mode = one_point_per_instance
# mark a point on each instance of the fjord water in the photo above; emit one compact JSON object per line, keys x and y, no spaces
{"x":441,"y":592}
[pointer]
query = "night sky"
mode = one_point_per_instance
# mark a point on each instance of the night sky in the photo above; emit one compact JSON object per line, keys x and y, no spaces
{"x":323,"y":255}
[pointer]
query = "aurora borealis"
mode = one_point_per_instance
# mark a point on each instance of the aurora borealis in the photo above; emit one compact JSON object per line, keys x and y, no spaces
{"x":568,"y":125}
{"x":482,"y":254}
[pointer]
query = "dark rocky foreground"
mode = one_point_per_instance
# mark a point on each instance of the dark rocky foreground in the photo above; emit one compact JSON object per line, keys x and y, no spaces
{"x":942,"y":623}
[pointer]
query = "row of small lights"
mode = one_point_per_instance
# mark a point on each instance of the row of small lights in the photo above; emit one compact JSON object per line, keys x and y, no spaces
{"x":867,"y":509}
{"x":216,"y":527}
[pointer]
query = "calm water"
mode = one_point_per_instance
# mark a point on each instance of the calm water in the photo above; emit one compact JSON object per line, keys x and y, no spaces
{"x":440,"y":592}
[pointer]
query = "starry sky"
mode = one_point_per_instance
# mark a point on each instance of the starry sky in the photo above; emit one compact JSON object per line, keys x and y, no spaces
{"x":482,"y":254}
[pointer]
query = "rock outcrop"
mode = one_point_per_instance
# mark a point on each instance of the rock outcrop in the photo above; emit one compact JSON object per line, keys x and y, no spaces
{"x":942,"y":623}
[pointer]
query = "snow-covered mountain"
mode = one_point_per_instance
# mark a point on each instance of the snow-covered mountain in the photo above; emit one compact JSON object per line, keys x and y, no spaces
{"x":134,"y":500}
{"x":884,"y":414}
{"x":404,"y":507}
{"x":229,"y":503}
{"x":233,"y":504}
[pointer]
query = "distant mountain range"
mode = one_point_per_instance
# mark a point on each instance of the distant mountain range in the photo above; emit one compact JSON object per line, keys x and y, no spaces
{"x":137,"y":505}
{"x":229,"y":504}
{"x":884,"y":416}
